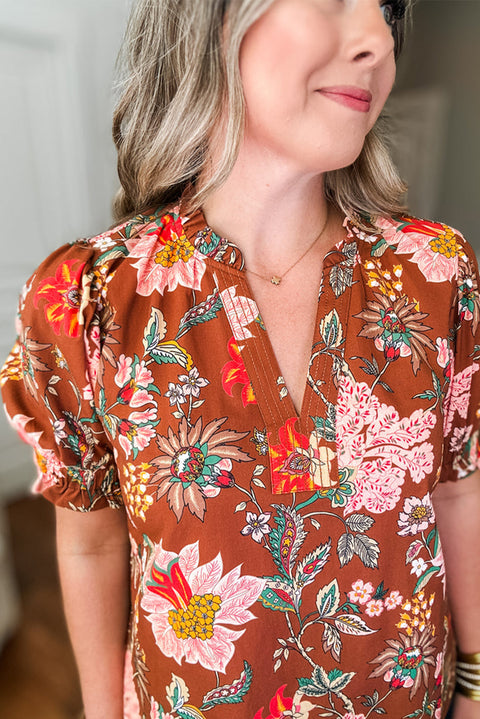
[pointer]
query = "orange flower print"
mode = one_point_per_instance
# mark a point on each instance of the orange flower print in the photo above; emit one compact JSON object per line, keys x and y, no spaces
{"x":234,"y":372}
{"x":62,"y":294}
{"x":293,"y":465}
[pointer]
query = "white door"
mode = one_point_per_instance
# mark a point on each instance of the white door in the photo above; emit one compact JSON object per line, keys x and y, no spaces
{"x":57,"y":161}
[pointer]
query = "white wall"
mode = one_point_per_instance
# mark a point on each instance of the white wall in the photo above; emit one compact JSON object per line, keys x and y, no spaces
{"x":57,"y":159}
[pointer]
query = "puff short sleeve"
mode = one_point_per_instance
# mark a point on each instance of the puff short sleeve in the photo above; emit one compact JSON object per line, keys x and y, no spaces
{"x":461,"y":417}
{"x":49,"y":379}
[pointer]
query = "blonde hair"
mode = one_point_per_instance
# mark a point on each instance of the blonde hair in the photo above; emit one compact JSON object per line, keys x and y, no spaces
{"x":179,"y":75}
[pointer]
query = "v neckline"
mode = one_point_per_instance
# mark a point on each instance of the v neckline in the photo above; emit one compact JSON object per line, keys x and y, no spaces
{"x":302,"y":445}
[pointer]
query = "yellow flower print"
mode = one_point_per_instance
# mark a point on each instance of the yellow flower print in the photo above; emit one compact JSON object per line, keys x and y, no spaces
{"x":388,"y":283}
{"x":138,"y":501}
{"x":416,"y":614}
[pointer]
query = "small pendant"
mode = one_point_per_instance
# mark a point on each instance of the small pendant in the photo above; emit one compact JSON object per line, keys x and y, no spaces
{"x":275,"y":280}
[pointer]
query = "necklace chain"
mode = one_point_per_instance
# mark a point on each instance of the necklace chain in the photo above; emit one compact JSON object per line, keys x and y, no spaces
{"x":276,"y":279}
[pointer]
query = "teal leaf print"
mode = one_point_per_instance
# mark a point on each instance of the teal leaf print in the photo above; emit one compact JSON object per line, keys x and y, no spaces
{"x":310,"y":688}
{"x":325,"y":427}
{"x":322,"y":683}
{"x":230,"y":693}
{"x":203,"y":312}
{"x":286,"y":538}
{"x":331,"y":330}
{"x":171,"y":353}
{"x":160,"y":350}
{"x":113,"y":254}
{"x":338,"y":680}
{"x":312,"y":564}
{"x":278,"y":595}
{"x":380,"y":247}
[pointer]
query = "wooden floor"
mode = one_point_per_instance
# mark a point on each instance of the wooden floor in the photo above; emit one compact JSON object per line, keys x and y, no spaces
{"x":37,"y":671}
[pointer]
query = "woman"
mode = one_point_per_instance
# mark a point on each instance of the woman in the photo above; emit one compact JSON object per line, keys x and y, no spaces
{"x":276,"y":492}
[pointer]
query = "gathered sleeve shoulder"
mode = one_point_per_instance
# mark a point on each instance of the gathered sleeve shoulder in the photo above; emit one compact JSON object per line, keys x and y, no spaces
{"x":49,"y":379}
{"x":462,"y":402}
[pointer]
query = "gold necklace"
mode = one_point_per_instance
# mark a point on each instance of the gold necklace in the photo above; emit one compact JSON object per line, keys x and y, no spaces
{"x":276,"y":279}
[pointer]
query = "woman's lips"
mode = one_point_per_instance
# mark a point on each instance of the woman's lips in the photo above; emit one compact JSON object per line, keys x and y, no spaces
{"x":354,"y":97}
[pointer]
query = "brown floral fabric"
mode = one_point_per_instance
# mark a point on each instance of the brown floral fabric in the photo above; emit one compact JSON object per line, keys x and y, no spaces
{"x":283,"y":564}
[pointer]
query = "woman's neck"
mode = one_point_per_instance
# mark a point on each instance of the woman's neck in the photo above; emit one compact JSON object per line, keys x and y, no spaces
{"x":271,"y":213}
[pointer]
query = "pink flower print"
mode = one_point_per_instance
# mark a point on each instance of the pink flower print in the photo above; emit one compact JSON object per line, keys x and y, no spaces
{"x":361,"y":592}
{"x":221,"y":478}
{"x":240,"y":311}
{"x":155,"y":711}
{"x":435,"y":247}
{"x":133,"y":378}
{"x":353,"y":716}
{"x":380,"y":447}
{"x":397,"y":679}
{"x":136,"y":432}
{"x":458,"y":397}
{"x":460,"y":436}
{"x":131,"y":707}
{"x":374,"y":608}
{"x":417,"y":514}
{"x":124,"y":370}
{"x":166,"y":258}
{"x":393,"y":600}
{"x":443,"y":352}
{"x":104,"y":241}
{"x":50,"y":470}
{"x":439,"y":665}
{"x":188,"y":606}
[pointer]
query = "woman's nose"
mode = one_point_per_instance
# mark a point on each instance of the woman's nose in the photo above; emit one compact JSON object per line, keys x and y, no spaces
{"x":368,"y":38}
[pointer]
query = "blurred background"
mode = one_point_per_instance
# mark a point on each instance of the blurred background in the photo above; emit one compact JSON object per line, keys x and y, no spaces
{"x":57,"y":181}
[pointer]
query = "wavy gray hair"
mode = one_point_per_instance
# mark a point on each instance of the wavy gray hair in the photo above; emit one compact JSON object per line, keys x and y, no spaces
{"x":179,"y":74}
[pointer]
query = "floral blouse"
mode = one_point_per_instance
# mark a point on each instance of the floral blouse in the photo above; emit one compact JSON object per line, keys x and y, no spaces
{"x":283,"y":564}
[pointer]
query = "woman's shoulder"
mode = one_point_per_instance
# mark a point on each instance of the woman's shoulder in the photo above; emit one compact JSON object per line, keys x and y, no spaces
{"x":136,"y":237}
{"x":135,"y":258}
{"x":438,"y":250}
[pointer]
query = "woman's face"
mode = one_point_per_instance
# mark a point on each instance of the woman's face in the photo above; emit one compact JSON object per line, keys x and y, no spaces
{"x":316,"y":74}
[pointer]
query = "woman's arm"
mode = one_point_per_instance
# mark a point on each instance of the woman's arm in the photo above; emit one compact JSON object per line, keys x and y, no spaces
{"x":457,"y":506}
{"x":93,"y":551}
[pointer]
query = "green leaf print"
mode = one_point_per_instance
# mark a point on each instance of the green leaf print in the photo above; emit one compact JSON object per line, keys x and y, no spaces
{"x":278,"y":595}
{"x":229,"y":693}
{"x":286,"y":538}
{"x":203,"y":312}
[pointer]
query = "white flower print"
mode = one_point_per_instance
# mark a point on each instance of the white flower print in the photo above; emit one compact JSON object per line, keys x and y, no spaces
{"x":417,"y":514}
{"x":193,"y":382}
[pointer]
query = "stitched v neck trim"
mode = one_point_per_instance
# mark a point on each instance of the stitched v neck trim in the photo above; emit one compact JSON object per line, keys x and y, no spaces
{"x":302,"y":446}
